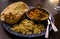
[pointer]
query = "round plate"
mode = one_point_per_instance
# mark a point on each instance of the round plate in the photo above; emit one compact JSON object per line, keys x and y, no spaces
{"x":7,"y":27}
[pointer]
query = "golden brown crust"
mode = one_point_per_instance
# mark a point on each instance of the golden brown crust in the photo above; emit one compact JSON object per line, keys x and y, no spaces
{"x":13,"y":12}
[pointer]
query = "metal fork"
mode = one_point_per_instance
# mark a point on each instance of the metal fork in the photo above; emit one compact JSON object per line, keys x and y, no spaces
{"x":53,"y":26}
{"x":47,"y":30}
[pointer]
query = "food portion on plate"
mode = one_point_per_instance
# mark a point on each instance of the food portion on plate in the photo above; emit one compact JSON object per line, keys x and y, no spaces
{"x":14,"y":12}
{"x":28,"y":27}
{"x":38,"y":13}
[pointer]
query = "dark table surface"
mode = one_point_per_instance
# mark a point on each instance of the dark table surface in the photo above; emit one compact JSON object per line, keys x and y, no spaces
{"x":45,"y":4}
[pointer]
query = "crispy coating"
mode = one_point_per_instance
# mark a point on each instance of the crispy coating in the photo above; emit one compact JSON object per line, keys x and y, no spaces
{"x":14,"y":12}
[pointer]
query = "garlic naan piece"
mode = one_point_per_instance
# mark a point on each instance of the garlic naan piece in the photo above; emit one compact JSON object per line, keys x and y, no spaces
{"x":14,"y":12}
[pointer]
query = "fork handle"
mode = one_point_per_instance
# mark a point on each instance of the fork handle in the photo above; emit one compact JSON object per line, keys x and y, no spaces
{"x":47,"y":32}
{"x":54,"y":27}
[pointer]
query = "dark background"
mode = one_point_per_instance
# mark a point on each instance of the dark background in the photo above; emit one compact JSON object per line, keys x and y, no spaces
{"x":45,"y":4}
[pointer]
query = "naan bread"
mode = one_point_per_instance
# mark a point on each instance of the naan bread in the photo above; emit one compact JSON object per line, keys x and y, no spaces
{"x":13,"y":12}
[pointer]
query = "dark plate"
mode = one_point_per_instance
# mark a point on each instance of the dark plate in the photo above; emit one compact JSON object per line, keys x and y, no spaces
{"x":7,"y":27}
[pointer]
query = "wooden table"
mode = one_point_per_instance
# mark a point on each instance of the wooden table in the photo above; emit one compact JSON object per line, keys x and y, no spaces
{"x":45,"y":4}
